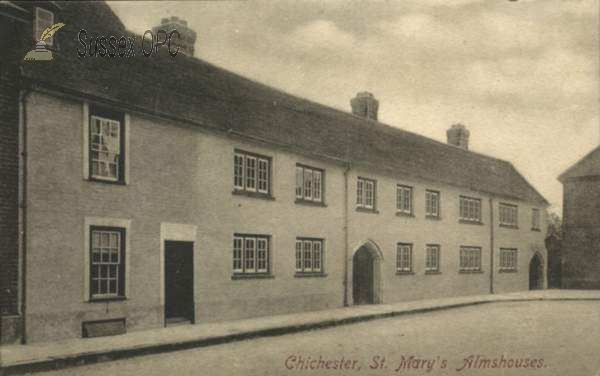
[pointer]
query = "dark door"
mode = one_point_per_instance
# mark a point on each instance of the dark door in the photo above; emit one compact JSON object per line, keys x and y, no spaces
{"x":363,"y":277}
{"x":179,"y":281}
{"x":536,"y":273}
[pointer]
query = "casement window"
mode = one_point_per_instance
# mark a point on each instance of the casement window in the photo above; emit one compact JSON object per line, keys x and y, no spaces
{"x":365,"y":193}
{"x":43,"y":20}
{"x":309,"y":255}
{"x":535,"y":219}
{"x":404,"y":258}
{"x":470,"y":209}
{"x":309,"y":183}
{"x":432,"y":258}
{"x":432,"y":204}
{"x":251,"y":173}
{"x":509,"y":215}
{"x":106,"y":145}
{"x":508,"y":259}
{"x":404,"y":199}
{"x":470,"y":258}
{"x":107,"y":262}
{"x":251,"y":254}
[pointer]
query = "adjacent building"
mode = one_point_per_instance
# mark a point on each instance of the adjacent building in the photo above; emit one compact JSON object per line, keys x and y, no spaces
{"x":580,"y":243}
{"x":140,"y":192}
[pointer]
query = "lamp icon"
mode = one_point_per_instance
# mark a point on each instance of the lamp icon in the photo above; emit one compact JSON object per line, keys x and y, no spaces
{"x":41,"y":53}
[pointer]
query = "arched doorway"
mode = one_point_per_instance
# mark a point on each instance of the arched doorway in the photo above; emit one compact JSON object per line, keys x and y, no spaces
{"x":365,"y":275}
{"x":536,"y":273}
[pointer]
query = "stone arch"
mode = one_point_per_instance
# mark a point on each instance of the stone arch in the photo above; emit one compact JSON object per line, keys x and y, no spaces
{"x":536,"y":271}
{"x":366,"y":274}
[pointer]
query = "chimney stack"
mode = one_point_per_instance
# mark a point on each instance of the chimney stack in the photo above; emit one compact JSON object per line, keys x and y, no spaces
{"x":458,"y":135}
{"x":187,"y":38}
{"x":365,"y":105}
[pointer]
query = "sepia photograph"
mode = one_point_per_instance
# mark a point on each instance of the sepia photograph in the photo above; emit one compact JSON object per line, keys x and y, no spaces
{"x":300,"y":187}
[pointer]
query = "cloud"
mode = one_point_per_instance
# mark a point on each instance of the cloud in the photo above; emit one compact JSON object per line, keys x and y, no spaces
{"x":321,"y":34}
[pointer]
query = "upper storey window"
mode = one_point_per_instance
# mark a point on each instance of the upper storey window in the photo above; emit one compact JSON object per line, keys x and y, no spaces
{"x":106,"y":146}
{"x":509,"y":215}
{"x":251,"y":173}
{"x":365,"y":193}
{"x":535,"y":219}
{"x":43,"y":20}
{"x":309,"y":184}
{"x":470,"y":209}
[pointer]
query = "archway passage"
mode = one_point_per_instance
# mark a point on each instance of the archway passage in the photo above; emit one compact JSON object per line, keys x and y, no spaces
{"x":363,"y":281}
{"x":536,"y":273}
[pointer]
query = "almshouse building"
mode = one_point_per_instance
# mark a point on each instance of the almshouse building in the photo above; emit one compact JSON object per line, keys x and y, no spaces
{"x":139,"y":192}
{"x":580,"y":245}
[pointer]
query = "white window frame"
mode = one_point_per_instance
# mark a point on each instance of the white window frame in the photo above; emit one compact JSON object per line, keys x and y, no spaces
{"x":508,"y":214}
{"x":404,"y":199}
{"x":432,"y":203}
{"x":366,"y":191}
{"x":118,"y":279}
{"x":110,"y":123}
{"x":309,"y":183}
{"x":470,"y":259}
{"x":38,"y":30}
{"x":432,"y":258}
{"x":251,"y":172}
{"x":404,"y":259}
{"x":254,"y":249}
{"x":309,"y":255}
{"x":509,"y":259}
{"x":470,"y":209}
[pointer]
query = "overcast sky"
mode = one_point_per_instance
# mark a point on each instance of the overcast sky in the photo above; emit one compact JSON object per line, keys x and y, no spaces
{"x":523,"y":76}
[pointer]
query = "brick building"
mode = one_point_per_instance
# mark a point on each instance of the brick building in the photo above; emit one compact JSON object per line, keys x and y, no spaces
{"x":161,"y":190}
{"x":580,"y":245}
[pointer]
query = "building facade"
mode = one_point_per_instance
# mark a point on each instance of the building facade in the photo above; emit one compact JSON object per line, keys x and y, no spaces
{"x":216,"y":198}
{"x":580,"y":243}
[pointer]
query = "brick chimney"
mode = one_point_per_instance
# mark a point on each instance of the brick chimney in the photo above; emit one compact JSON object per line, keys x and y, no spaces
{"x":365,"y":105}
{"x":458,"y":135}
{"x":187,"y":38}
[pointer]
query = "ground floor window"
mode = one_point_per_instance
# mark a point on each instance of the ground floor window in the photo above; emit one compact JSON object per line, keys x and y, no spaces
{"x":403,"y":257}
{"x":470,"y":258}
{"x":309,"y":255}
{"x":432,"y":258}
{"x":508,"y":259}
{"x":107,"y":262}
{"x":250,"y":254}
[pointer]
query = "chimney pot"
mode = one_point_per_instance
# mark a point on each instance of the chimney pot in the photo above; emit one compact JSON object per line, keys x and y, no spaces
{"x":458,"y":135}
{"x":365,"y":105}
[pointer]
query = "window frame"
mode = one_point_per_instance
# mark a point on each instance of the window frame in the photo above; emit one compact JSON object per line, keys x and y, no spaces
{"x":257,"y":177}
{"x":36,"y":30}
{"x":404,"y":194}
{"x":121,"y":269}
{"x":255,"y":270}
{"x":361,"y":198}
{"x":300,"y":267}
{"x":428,"y":213}
{"x":508,"y":260}
{"x":301,"y":190}
{"x":432,"y":269}
{"x":536,"y":219}
{"x":470,"y":269}
{"x":470,"y":209}
{"x":506,"y":210}
{"x":100,"y":113}
{"x":401,"y":248}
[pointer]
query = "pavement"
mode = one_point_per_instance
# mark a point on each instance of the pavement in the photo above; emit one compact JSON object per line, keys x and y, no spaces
{"x":18,"y":359}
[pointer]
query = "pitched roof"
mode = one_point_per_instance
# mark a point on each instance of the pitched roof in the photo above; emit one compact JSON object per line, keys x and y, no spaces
{"x":586,"y":166}
{"x":195,"y":91}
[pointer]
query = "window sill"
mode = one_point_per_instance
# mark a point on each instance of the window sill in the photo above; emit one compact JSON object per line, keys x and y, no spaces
{"x":366,"y":210}
{"x":405,"y":273}
{"x":310,"y":203}
{"x":264,"y":196}
{"x":252,"y":276}
{"x":103,"y":181}
{"x":513,"y":227}
{"x":310,"y":275}
{"x":467,"y":222}
{"x":404,"y":214}
{"x":536,"y":230}
{"x":107,"y":299}
{"x":507,"y":271}
{"x":433,"y":217}
{"x":432,"y":272}
{"x":470,"y":271}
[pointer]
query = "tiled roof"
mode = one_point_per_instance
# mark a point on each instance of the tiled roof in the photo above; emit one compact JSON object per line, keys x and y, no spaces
{"x":585,"y":167}
{"x":195,"y":91}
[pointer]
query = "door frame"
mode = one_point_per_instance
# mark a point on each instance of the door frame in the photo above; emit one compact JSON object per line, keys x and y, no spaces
{"x":377,"y":259}
{"x":540,"y":283}
{"x":193,"y":302}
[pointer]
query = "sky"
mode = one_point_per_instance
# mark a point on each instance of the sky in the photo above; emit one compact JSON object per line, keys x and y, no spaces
{"x":523,"y":76}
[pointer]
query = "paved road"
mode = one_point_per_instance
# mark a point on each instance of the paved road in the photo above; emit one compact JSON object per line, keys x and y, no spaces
{"x":542,"y":338}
